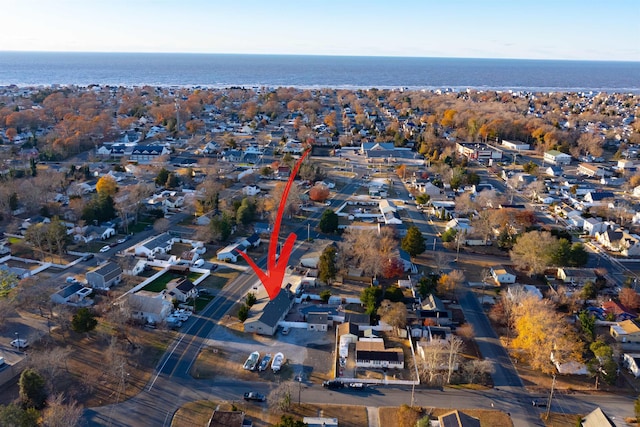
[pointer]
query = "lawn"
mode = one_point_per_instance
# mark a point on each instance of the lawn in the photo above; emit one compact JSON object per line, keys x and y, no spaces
{"x":202,"y":301}
{"x":160,"y":283}
{"x":140,"y":226}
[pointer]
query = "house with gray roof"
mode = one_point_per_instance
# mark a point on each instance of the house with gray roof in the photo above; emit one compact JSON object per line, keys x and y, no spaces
{"x":159,"y":244}
{"x":266,"y":316}
{"x":74,"y":294}
{"x":104,"y":276}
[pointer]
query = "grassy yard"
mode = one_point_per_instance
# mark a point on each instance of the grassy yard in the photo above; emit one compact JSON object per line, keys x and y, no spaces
{"x":160,"y":283}
{"x":202,"y":301}
{"x":140,"y":226}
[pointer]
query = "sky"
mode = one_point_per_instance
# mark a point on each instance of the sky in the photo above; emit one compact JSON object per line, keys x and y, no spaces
{"x":524,"y":29}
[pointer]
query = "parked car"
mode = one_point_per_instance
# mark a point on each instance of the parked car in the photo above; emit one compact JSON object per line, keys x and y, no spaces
{"x":254,"y":396}
{"x":105,"y":248}
{"x":123,"y":239}
{"x":88,"y":257}
{"x":198,"y":263}
{"x":285,"y":330}
{"x":357,"y":386}
{"x":333,"y":385}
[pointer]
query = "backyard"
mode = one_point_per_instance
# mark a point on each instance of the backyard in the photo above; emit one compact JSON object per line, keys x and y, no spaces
{"x":160,"y":283}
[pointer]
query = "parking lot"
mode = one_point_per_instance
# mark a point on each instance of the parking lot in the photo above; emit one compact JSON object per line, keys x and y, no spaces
{"x":309,"y":353}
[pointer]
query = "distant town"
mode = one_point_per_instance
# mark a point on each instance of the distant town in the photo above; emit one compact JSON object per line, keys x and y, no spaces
{"x":462,"y":258}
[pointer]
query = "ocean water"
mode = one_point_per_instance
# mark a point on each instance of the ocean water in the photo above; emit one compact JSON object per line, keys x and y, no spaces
{"x":217,"y":70}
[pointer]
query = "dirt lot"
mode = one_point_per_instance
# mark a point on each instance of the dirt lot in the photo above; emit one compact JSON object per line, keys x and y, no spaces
{"x":226,"y":351}
{"x":198,"y":413}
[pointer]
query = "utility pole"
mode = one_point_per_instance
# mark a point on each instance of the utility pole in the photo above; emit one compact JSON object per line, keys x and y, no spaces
{"x":308,"y":232}
{"x":553,"y":384}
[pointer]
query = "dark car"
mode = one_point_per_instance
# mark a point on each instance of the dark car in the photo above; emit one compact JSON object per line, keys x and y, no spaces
{"x":333,"y":385}
{"x":254,"y":396}
{"x":88,"y":257}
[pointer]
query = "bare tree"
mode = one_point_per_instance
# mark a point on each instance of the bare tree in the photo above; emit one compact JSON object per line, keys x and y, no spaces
{"x":280,"y":398}
{"x":161,"y":225}
{"x":61,"y":412}
{"x":393,"y":314}
{"x":51,"y":363}
{"x":454,"y":346}
{"x":476,"y":369}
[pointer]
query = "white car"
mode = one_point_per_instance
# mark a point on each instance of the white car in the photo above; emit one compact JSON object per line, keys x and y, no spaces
{"x":105,"y":248}
{"x":19,"y":343}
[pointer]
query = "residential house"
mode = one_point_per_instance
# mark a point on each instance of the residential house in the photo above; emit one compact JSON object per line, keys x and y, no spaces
{"x":161,"y":244}
{"x":554,"y":171}
{"x":503,"y":275}
{"x":317,"y":322}
{"x":149,"y":307}
{"x":591,"y":226}
{"x":457,"y":419}
{"x":250,"y":190}
{"x":618,"y":311}
{"x":631,"y":361}
{"x":592,"y":170}
{"x":404,"y":257}
{"x":233,"y":156}
{"x":597,"y":198}
{"x":612,"y":240}
{"x":230,"y":252}
{"x":252,"y":241}
{"x":181,"y":289}
{"x":555,"y":157}
{"x":349,"y":331}
{"x":266,"y":315}
{"x":371,"y":353}
{"x":88,"y":233}
{"x":576,"y":276}
{"x":262,"y":227}
{"x":597,"y":418}
{"x":73,"y":294}
{"x":228,"y":419}
{"x":433,"y":312}
{"x":132,"y":266}
{"x":145,"y":154}
{"x":104,"y":276}
{"x":626,"y":332}
{"x":460,"y":224}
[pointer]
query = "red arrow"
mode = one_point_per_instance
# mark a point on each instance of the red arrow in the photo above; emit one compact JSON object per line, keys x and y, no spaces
{"x":273,"y":277}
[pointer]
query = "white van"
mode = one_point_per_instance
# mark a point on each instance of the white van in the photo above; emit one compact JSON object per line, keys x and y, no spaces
{"x":198,"y":263}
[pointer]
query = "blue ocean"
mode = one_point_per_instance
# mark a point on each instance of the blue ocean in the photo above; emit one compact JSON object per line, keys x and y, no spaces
{"x":217,"y":70}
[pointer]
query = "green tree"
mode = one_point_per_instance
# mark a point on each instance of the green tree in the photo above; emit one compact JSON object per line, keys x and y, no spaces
{"x":428,"y":284}
{"x":328,"y":221}
{"x":33,"y":390}
{"x":423,"y":198}
{"x":561,"y":253}
{"x":266,"y":171}
{"x":588,"y":325}
{"x":449,"y":235}
{"x":413,"y":242}
{"x":243,"y":313}
{"x":370,"y":298}
{"x":84,"y":321}
{"x":246,"y":212}
{"x":13,"y":201}
{"x":161,"y":177}
{"x":172,"y":180}
{"x":8,"y":281}
{"x":14,"y":415}
{"x":578,"y":255}
{"x":251,"y":299}
{"x":221,"y":226}
{"x":602,"y":366}
{"x":325,"y":295}
{"x":327,"y":269}
{"x":589,"y":291}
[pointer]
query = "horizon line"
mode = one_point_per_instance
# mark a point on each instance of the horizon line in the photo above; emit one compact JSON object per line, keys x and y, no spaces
{"x":312,"y":55}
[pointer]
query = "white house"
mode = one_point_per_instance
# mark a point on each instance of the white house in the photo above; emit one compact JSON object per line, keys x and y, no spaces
{"x":503,"y":275}
{"x":592,"y":226}
{"x":250,"y":190}
{"x":371,"y":353}
{"x":149,"y":307}
{"x":74,"y":294}
{"x":555,"y":157}
{"x":158,"y":244}
{"x":229,"y":253}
